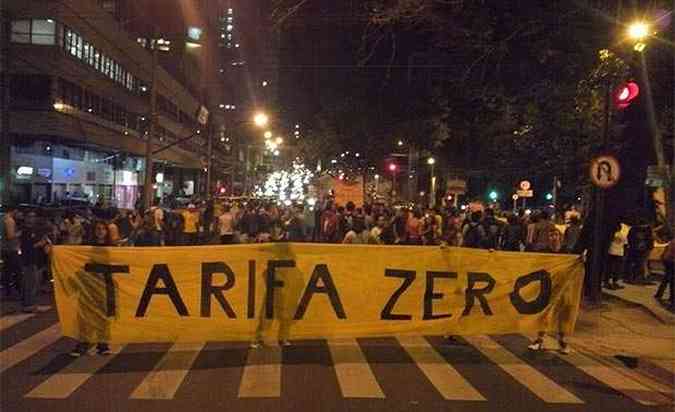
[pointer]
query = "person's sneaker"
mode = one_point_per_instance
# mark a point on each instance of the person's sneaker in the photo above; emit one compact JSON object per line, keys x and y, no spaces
{"x":564,"y":349}
{"x":536,"y":345}
{"x":80,"y":349}
{"x":103,"y":349}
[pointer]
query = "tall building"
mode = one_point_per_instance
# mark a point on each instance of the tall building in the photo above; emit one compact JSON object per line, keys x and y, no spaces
{"x":79,"y":106}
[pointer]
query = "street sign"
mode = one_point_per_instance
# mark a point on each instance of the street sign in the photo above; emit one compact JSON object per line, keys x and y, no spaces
{"x":514,"y":197}
{"x":525,"y":185}
{"x":525,"y":193}
{"x":605,"y":171}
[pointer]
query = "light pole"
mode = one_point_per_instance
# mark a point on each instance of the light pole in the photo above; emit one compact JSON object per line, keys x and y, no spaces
{"x":392,"y":169}
{"x":432,"y":192}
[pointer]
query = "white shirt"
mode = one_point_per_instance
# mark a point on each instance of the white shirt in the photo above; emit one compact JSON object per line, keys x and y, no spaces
{"x":620,"y":240}
{"x":226,"y":221}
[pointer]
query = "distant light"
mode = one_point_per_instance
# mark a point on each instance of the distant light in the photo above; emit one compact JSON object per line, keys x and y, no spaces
{"x":422,"y":193}
{"x":48,"y":148}
{"x":276,"y":152}
{"x":50,"y":21}
{"x":191,"y":45}
{"x":279,"y":140}
{"x":264,"y":83}
{"x":126,"y":133}
{"x":222,"y":139}
{"x":59,"y":106}
{"x":159,"y":177}
{"x":297,"y":126}
{"x":229,"y":27}
{"x":297,"y":133}
{"x":24,"y":171}
{"x":236,"y":45}
{"x":222,"y":106}
{"x":410,"y":176}
{"x":638,"y":30}
{"x":142,"y":118}
{"x":400,"y":142}
{"x":199,"y":131}
{"x":311,"y":201}
{"x":493,"y":195}
{"x":357,"y":155}
{"x":640,"y":47}
{"x":90,"y":110}
{"x":261,"y":119}
{"x":528,"y":212}
{"x":431,"y":161}
{"x":392,"y":167}
{"x":377,"y":177}
{"x":222,"y":190}
{"x":333,"y":161}
{"x":144,"y":88}
{"x":463,"y":207}
{"x":549,"y":196}
{"x":268,"y":135}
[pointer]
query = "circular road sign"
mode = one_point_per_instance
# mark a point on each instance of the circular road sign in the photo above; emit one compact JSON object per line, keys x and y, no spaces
{"x":605,"y":171}
{"x":514,"y":197}
{"x":525,"y":185}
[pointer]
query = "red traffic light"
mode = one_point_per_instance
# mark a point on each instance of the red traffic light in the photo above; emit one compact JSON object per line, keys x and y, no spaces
{"x":625,"y":94}
{"x":393,"y":167}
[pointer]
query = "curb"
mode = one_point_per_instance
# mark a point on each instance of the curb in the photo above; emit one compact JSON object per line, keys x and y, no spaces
{"x":661,"y":314}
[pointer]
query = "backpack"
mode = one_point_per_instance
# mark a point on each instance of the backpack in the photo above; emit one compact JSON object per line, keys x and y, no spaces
{"x":492,"y":232}
{"x":474,"y":236}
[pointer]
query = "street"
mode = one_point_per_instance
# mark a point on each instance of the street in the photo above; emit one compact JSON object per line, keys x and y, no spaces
{"x":483,"y":373}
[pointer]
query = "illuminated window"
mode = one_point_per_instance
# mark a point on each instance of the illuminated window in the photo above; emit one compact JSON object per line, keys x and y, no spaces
{"x":36,"y":31}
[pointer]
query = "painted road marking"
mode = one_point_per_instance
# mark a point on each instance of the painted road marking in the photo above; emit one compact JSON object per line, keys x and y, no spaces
{"x":353,"y":372}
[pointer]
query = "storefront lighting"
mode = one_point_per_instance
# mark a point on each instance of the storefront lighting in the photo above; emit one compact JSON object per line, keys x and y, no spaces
{"x":24,"y":171}
{"x":59,"y":106}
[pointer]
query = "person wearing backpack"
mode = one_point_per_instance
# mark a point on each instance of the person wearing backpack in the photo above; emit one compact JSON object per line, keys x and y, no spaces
{"x":541,"y":233}
{"x":473,"y":234}
{"x":493,"y":230}
{"x":640,"y":245}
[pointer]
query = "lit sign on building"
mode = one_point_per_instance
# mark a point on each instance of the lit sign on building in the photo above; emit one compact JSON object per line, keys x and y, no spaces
{"x":194,"y":33}
{"x":24,"y":171}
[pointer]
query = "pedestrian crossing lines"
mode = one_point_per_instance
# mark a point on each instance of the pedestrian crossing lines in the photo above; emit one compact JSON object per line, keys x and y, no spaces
{"x":483,"y":370}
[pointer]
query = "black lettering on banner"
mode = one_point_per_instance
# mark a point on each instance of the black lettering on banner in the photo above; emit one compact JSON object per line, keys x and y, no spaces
{"x":251,"y":289}
{"x":430,"y":296}
{"x":409,"y":276}
{"x":272,"y":283}
{"x":208,"y":289}
{"x":161,"y":271}
{"x":472,"y":294}
{"x":107,"y":272}
{"x":542,"y":300}
{"x":320,"y":272}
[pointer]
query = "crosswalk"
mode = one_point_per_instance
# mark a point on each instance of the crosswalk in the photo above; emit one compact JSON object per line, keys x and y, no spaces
{"x":360,"y":369}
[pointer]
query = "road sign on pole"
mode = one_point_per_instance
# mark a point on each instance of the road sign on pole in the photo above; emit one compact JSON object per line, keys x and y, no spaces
{"x":525,"y":193}
{"x":525,"y":185}
{"x":605,"y":171}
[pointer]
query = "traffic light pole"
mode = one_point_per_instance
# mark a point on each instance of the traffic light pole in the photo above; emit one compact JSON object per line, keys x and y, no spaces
{"x":148,"y":191}
{"x":598,"y":252}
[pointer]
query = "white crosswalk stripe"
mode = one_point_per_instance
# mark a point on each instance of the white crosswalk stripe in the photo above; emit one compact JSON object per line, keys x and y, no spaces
{"x":445,"y":378}
{"x":62,"y":384}
{"x":11,"y":320}
{"x":526,"y":375}
{"x":168,"y":374}
{"x":354,"y":375}
{"x":262,"y":374}
{"x":28,"y":347}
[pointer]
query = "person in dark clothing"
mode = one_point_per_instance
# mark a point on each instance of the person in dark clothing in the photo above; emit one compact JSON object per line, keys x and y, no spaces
{"x":33,"y":240}
{"x":514,"y":234}
{"x":640,"y":245}
{"x":493,"y":230}
{"x":571,"y":234}
{"x":668,"y":259}
{"x":473,"y":234}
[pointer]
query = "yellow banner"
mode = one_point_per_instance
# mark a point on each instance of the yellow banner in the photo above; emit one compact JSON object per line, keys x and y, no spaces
{"x":299,"y":291}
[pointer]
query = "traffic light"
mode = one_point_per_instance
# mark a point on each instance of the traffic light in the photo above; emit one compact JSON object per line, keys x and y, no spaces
{"x":625,"y":94}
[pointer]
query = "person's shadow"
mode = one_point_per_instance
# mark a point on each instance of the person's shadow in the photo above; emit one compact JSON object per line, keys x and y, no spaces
{"x":284,"y":299}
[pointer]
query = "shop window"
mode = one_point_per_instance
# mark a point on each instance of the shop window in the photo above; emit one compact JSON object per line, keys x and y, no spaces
{"x":21,"y":31}
{"x":43,"y":32}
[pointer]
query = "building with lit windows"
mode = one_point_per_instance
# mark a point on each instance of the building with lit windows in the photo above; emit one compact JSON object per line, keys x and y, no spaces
{"x":79,"y":107}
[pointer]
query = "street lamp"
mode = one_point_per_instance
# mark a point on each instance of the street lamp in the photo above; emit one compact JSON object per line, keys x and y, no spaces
{"x":638,"y":30}
{"x":279,"y":140}
{"x":260,"y":119}
{"x":268,"y":135}
{"x":431,"y":162}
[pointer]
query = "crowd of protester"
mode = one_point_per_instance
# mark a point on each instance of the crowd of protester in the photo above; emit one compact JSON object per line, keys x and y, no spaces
{"x":27,"y":235}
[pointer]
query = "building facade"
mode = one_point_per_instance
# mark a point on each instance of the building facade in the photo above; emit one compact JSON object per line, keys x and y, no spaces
{"x":78,"y":118}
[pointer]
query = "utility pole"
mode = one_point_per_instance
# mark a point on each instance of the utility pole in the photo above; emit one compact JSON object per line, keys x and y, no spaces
{"x":209,"y":161}
{"x":5,"y":133}
{"x":148,"y":191}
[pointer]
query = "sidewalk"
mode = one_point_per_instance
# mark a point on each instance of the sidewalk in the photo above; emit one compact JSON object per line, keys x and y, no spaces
{"x":643,"y":295}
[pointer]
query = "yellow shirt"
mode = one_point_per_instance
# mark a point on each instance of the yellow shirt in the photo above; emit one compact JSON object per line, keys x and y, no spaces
{"x":191,"y":219}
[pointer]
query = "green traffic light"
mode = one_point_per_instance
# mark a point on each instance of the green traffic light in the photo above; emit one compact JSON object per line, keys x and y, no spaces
{"x":493,"y":195}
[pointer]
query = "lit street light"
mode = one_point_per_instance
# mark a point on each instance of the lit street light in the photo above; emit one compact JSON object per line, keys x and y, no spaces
{"x":279,"y":140}
{"x":431,"y":162}
{"x":268,"y":135}
{"x":638,"y":30}
{"x":260,"y":119}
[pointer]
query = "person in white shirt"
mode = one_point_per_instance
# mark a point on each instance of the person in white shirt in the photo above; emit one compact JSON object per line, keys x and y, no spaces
{"x":615,"y":263}
{"x":226,"y":226}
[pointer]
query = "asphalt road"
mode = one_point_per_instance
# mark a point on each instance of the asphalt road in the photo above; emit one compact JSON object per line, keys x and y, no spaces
{"x":483,"y":373}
